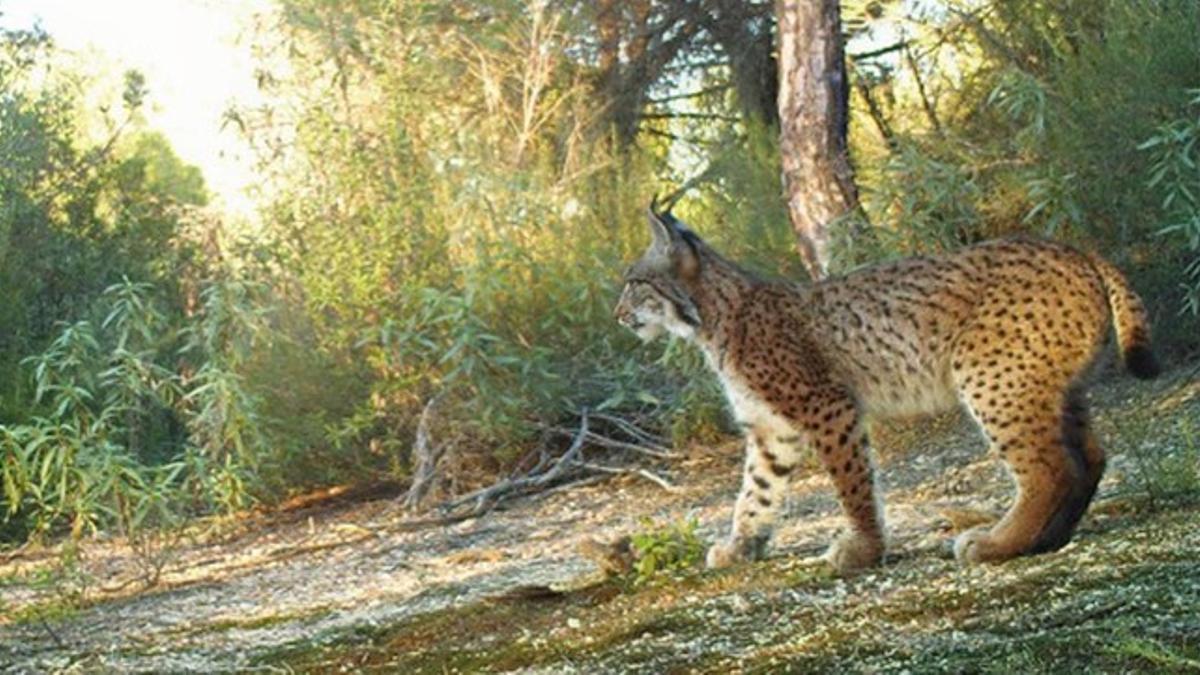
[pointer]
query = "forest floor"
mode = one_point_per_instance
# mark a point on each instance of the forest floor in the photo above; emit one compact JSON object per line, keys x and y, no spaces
{"x":351,"y":585}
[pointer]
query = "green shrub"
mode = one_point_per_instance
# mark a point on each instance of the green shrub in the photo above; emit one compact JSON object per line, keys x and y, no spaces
{"x":121,"y":439}
{"x":669,"y":549}
{"x":1175,"y":175}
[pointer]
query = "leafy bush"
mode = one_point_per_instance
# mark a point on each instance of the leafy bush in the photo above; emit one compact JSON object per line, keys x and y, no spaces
{"x":1175,"y":174}
{"x":478,"y":238}
{"x":77,"y":214}
{"x":666,"y":549}
{"x":125,"y":441}
{"x":80,"y":464}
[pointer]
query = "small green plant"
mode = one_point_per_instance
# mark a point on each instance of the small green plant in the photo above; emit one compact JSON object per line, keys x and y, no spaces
{"x":221,"y":412}
{"x":665,"y":549}
{"x":810,"y":574}
{"x":65,"y":586}
{"x":1171,"y":470}
{"x":1156,"y":653}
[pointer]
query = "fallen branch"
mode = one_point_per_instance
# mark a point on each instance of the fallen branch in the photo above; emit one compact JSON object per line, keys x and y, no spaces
{"x":634,"y":431}
{"x":590,"y":480}
{"x":644,"y":473}
{"x":571,"y":469}
{"x":484,"y":498}
{"x":426,"y":455}
{"x":21,"y":551}
{"x":658,"y":452}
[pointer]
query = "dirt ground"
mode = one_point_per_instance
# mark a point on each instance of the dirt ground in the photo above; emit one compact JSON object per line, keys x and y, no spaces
{"x":344,"y":587}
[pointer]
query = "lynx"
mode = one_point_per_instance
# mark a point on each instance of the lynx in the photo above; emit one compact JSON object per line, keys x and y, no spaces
{"x":1008,"y":329}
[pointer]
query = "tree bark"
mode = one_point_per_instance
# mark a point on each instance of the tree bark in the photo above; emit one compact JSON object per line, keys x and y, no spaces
{"x":814,"y":114}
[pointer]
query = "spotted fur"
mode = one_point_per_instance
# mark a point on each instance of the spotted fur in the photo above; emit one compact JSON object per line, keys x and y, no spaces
{"x":1008,"y":329}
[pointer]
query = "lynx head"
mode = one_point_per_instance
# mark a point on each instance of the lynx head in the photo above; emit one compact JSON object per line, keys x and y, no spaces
{"x":656,"y":297}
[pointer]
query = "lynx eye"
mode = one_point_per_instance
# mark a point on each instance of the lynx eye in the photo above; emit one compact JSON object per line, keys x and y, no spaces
{"x":644,"y":294}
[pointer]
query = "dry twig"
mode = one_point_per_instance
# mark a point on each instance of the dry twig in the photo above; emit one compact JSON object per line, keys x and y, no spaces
{"x":426,"y":454}
{"x":571,"y":469}
{"x":644,"y":473}
{"x":656,"y":451}
{"x":485,"y":498}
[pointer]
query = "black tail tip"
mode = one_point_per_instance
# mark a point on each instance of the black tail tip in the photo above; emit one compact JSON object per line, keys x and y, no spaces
{"x":1142,"y":363}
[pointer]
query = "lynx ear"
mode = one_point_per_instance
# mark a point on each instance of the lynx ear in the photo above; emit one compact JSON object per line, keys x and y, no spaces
{"x":669,"y":241}
{"x":662,"y":231}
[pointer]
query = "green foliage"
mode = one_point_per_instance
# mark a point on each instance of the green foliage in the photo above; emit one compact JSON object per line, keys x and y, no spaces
{"x":1175,"y":174}
{"x":932,"y":204}
{"x":697,"y":412}
{"x":78,"y":465}
{"x":125,"y":414}
{"x":77,"y":215}
{"x":736,"y":205}
{"x":1156,"y":653}
{"x":660,"y":550}
{"x":226,"y":445}
{"x":1042,"y":118}
{"x":1168,"y":469}
{"x":107,"y":450}
{"x":478,"y":236}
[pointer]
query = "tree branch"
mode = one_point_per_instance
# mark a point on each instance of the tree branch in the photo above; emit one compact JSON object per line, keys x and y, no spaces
{"x":689,"y":116}
{"x":926,"y":103}
{"x":894,"y":47}
{"x":691,"y":94}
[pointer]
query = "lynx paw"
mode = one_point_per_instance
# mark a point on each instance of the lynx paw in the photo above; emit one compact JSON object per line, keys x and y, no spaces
{"x":721,"y":555}
{"x":977,"y":546}
{"x":729,"y":553}
{"x":854,"y":551}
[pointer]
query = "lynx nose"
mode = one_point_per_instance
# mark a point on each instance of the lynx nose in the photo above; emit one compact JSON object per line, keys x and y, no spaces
{"x":620,"y":309}
{"x":625,"y":317}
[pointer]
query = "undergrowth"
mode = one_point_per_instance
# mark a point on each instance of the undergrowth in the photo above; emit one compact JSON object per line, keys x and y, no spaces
{"x":664,"y":550}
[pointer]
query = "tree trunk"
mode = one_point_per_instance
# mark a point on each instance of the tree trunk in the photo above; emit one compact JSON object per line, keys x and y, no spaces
{"x":814,"y":113}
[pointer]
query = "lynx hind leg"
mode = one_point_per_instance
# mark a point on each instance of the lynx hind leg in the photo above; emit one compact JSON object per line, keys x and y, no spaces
{"x":769,"y":461}
{"x":1083,"y":450}
{"x":1047,"y":450}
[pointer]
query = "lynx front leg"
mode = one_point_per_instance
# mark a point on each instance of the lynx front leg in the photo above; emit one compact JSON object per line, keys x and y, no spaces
{"x":841,"y":443}
{"x":769,"y":460}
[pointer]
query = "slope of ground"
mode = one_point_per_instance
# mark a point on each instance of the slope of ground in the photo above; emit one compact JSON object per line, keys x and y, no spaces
{"x":358,"y":587}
